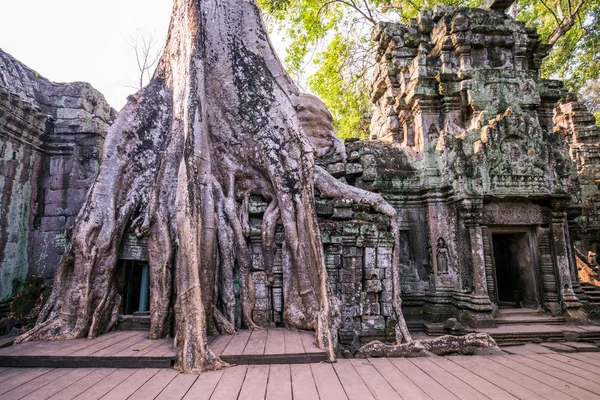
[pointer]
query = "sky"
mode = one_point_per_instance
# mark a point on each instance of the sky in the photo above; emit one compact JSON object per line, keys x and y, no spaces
{"x":84,"y":40}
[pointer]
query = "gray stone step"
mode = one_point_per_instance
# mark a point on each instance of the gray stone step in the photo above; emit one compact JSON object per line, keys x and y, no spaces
{"x":529,"y":319}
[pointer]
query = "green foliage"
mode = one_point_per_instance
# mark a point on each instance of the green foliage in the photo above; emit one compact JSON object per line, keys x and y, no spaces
{"x":575,"y":58}
{"x":330,"y":39}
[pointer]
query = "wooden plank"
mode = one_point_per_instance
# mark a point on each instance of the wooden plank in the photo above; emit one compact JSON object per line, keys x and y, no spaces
{"x":374,"y":380}
{"x":119,"y":346}
{"x":22,"y":379}
{"x":144,"y":350}
{"x":583,"y":357}
{"x":237,"y":344}
{"x":491,"y":391}
{"x":327,"y":382}
{"x":11,"y":373}
{"x":230,"y":384}
{"x":256,"y":343}
{"x":303,"y":383}
{"x":33,"y":385}
{"x":67,"y":347}
{"x":279,"y":386}
{"x":493,"y":376}
{"x":421,"y":379}
{"x":396,"y":379}
{"x":275,"y":342}
{"x":569,"y":361}
{"x":255,"y":383}
{"x":73,"y":384}
{"x":24,"y":348}
{"x":219,"y":343}
{"x":308,"y":341}
{"x":178,"y":387}
{"x":162,"y":350}
{"x":460,"y":389}
{"x":567,"y":367}
{"x":126,"y":388}
{"x":556,"y":372}
{"x":154,"y":386}
{"x":100,"y":344}
{"x":293,"y":342}
{"x":105,"y":385}
{"x":204,"y":386}
{"x":546,"y":379}
{"x":351,"y":381}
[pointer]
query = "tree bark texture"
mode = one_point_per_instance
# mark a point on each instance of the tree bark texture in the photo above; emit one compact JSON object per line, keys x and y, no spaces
{"x":220,"y":121}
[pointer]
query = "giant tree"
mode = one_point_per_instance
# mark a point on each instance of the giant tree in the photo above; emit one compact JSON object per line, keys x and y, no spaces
{"x":219,"y":121}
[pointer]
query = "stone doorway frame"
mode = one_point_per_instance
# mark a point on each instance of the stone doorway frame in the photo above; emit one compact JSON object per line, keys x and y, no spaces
{"x":531,"y":233}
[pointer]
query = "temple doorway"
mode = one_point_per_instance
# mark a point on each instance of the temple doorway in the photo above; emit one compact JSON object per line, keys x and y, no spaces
{"x":514,"y":270}
{"x":134,"y":286}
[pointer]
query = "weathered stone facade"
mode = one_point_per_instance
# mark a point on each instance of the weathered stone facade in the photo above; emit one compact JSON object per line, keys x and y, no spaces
{"x":472,"y":148}
{"x":458,"y":91}
{"x":51,"y":137}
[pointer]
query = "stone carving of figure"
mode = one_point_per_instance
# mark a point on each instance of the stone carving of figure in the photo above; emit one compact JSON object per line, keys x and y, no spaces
{"x":442,"y":256}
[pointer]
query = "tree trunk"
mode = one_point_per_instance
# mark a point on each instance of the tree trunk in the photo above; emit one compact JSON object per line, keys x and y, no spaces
{"x":216,"y":124}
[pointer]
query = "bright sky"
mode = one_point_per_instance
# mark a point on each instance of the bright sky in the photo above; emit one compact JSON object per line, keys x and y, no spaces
{"x":83,"y":40}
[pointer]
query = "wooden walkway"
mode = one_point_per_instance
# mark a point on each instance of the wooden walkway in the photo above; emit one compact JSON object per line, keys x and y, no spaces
{"x":527,"y":376}
{"x":131,"y":349}
{"x":274,"y":346}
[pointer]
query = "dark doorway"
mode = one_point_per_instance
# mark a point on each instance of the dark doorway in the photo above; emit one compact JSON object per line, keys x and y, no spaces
{"x":514,"y":270}
{"x":134,"y":286}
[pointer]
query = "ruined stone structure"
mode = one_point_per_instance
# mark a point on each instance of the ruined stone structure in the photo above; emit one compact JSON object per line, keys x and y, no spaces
{"x":472,"y":148}
{"x":51,"y":137}
{"x":495,"y":192}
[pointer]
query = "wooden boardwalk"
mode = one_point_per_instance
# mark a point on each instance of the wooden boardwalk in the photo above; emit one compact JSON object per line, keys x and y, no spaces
{"x":274,"y":346}
{"x":131,"y":349}
{"x":526,"y":376}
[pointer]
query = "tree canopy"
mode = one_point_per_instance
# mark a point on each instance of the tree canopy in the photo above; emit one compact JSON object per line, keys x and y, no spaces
{"x":330,"y":41}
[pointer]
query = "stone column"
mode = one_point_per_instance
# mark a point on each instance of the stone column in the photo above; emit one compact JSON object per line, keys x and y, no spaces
{"x":562,"y":261}
{"x":478,"y":300}
{"x":471,"y":214}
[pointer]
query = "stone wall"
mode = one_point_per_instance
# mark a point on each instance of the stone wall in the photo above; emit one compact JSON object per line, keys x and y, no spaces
{"x":458,"y":90}
{"x":51,"y":137}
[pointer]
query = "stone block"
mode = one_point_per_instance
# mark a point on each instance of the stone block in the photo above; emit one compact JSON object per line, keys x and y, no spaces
{"x":348,"y":288}
{"x":342,"y":203}
{"x":342,"y":213}
{"x":372,"y":286}
{"x":333,"y":260}
{"x":371,"y":273}
{"x":386,"y":296}
{"x":258,"y":262}
{"x":52,"y":224}
{"x":388,"y":285}
{"x":498,"y":5}
{"x":373,"y":322}
{"x":347,"y":276}
{"x":59,"y":182}
{"x":261,"y":317}
{"x":371,"y":309}
{"x":261,"y":304}
{"x":346,"y":336}
{"x":324,"y":207}
{"x":337,"y":169}
{"x":354,"y":169}
{"x":387,"y":310}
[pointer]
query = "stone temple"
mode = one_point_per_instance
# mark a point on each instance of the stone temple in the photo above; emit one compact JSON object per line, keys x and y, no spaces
{"x":493,"y":171}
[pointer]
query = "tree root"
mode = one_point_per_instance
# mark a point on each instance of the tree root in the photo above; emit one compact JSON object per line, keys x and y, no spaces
{"x":441,"y":346}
